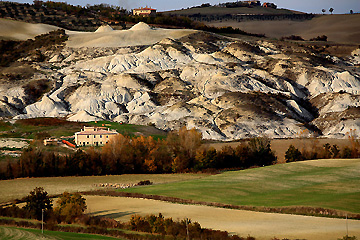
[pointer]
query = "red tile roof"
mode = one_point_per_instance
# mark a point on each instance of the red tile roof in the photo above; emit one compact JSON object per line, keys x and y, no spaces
{"x":145,"y":8}
{"x":98,"y":132}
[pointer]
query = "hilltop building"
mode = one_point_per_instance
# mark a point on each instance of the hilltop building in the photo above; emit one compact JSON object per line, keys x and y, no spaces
{"x":146,"y":11}
{"x":94,"y":136}
{"x":253,"y":3}
{"x":269,"y":5}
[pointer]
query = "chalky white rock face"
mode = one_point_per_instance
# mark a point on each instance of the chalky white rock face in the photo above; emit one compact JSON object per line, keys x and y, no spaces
{"x":228,"y":89}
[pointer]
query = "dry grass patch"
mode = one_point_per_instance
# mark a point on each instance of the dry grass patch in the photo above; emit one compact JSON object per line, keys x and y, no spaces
{"x":19,"y":188}
{"x":260,"y":225}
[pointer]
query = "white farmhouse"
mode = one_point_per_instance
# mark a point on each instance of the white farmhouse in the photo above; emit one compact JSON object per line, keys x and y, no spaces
{"x":94,"y":136}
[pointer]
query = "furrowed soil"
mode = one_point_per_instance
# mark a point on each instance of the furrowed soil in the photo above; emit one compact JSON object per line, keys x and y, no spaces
{"x":259,"y":225}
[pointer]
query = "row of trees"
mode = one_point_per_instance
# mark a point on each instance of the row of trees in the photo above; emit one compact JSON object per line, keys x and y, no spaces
{"x":181,"y":151}
{"x":177,"y":229}
{"x":325,"y":151}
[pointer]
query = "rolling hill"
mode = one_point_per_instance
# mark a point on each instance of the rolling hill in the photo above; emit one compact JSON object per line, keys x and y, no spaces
{"x":331,"y":184}
{"x":338,"y":28}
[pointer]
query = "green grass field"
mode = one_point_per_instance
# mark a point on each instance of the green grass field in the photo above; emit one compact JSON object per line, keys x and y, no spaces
{"x":25,"y":234}
{"x":30,"y":128}
{"x":19,"y":188}
{"x":331,"y":184}
{"x":130,"y":129}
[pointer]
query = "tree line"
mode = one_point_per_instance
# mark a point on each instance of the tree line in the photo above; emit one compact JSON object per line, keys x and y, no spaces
{"x":181,"y":151}
{"x":326,"y":151}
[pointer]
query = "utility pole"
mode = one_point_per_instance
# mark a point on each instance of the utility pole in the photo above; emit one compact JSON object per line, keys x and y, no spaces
{"x":42,"y":221}
{"x":187,"y":229}
{"x":347,"y":227}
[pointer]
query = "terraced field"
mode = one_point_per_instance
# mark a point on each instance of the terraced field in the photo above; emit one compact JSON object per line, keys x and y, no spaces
{"x":333,"y":184}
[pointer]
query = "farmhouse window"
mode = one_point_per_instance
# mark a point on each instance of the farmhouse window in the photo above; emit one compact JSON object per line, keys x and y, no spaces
{"x":87,"y":142}
{"x":100,"y":136}
{"x":88,"y":136}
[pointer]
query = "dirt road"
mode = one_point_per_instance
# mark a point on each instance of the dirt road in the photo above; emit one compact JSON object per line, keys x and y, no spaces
{"x":260,"y":225}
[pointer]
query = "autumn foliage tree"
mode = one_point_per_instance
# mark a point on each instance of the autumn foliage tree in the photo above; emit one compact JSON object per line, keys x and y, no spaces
{"x":181,"y":151}
{"x":38,"y":201}
{"x":70,"y":206}
{"x":183,"y":145}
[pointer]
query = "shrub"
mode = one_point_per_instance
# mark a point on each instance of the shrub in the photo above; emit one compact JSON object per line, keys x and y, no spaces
{"x":320,"y":38}
{"x":70,"y":206}
{"x":292,"y":37}
{"x":293,"y":154}
{"x":346,"y":237}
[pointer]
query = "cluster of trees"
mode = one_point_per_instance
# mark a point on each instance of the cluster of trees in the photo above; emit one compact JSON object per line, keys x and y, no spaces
{"x":181,"y":151}
{"x":325,"y":151}
{"x":238,"y":4}
{"x":177,"y":229}
{"x":70,"y":208}
{"x":299,"y":38}
{"x":39,"y":206}
{"x":330,"y":10}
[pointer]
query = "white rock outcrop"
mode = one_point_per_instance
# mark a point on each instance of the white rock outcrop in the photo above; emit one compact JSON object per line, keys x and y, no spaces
{"x":228,"y":89}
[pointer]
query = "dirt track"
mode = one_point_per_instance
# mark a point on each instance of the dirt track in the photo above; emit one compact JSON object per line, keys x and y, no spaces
{"x":243,"y":223}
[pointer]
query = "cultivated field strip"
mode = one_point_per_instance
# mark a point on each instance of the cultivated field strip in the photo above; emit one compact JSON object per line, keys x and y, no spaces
{"x":19,"y":234}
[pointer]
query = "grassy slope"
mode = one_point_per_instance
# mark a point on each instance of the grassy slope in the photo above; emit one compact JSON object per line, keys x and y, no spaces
{"x":18,"y":188}
{"x":130,"y":129}
{"x":57,"y":128}
{"x":23,"y":233}
{"x":340,"y":28}
{"x":322,"y":183}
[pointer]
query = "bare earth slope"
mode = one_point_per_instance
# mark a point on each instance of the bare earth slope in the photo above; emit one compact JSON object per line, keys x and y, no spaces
{"x":227,"y":88}
{"x":15,"y":30}
{"x":338,"y":28}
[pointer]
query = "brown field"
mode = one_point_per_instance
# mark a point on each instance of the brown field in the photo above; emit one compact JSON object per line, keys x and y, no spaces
{"x":280,"y":146}
{"x":243,"y":223}
{"x":19,"y":188}
{"x":339,"y":28}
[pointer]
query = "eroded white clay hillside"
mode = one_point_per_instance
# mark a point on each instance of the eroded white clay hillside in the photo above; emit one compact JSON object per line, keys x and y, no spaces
{"x":228,"y":89}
